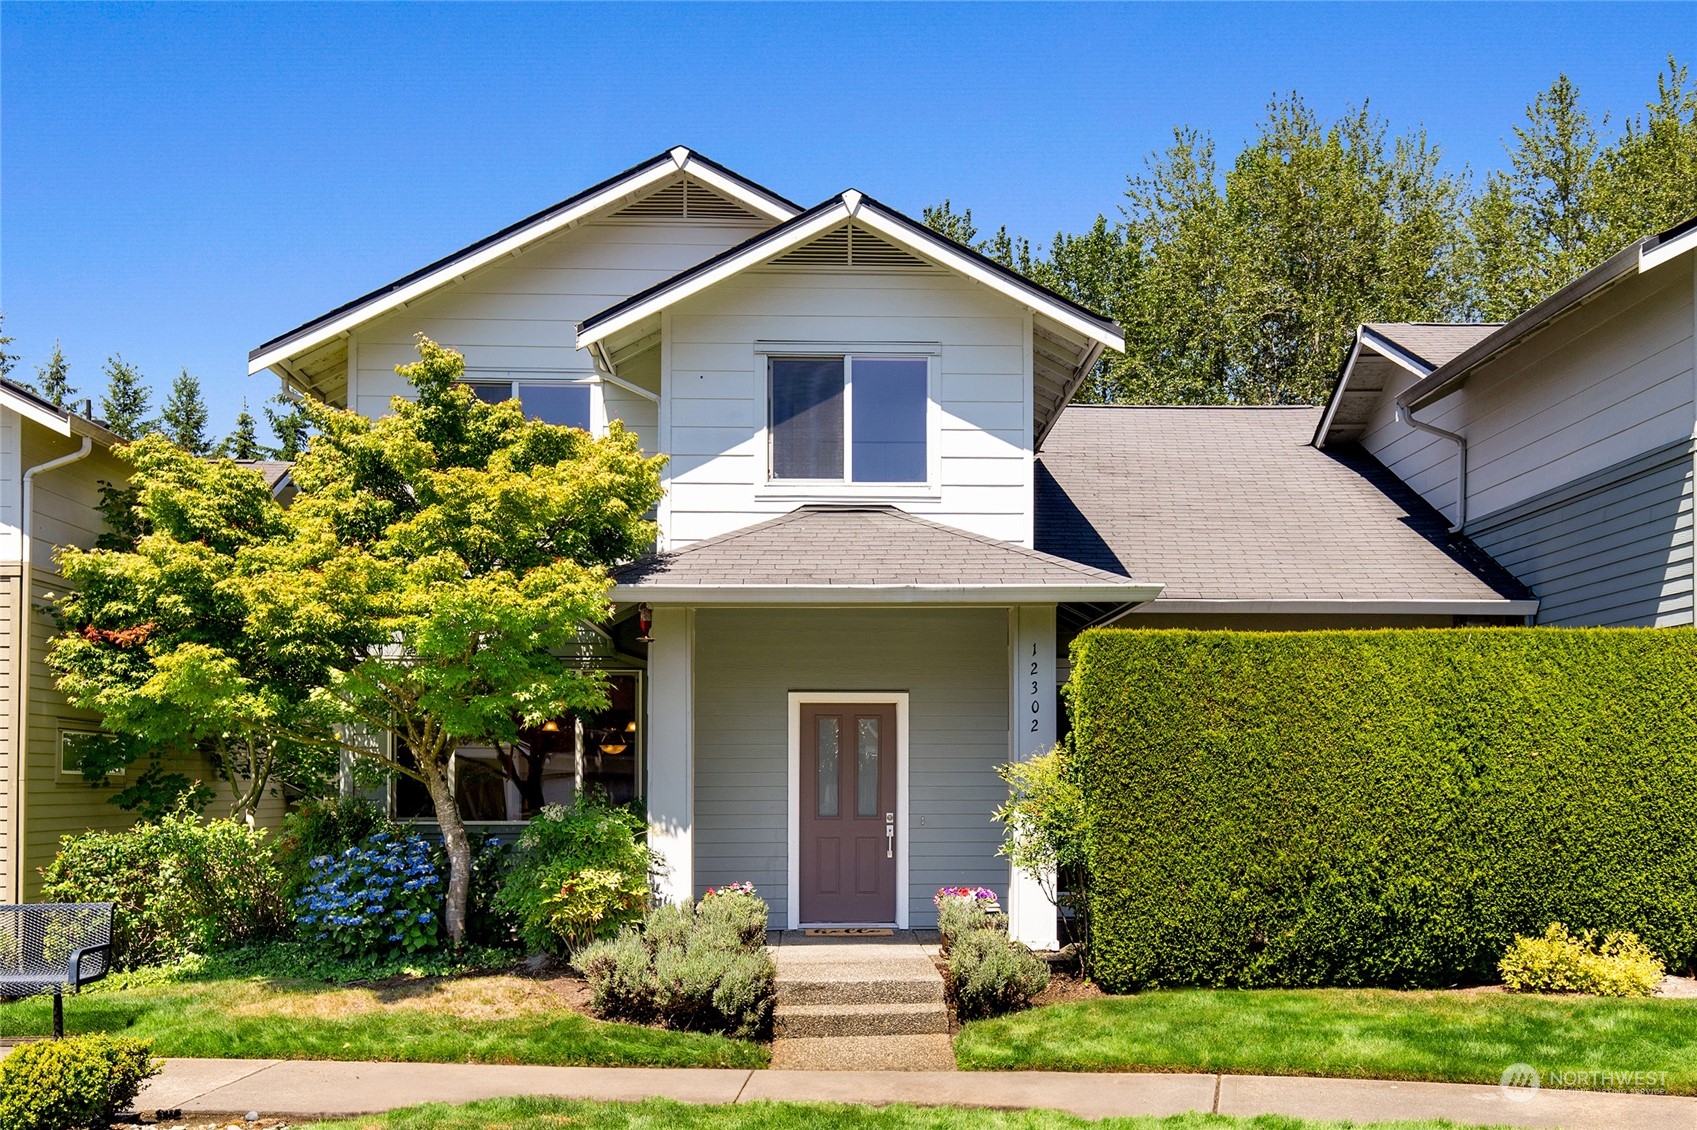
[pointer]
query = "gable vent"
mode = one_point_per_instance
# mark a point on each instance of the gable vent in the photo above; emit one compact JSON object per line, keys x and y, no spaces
{"x":684,"y":200}
{"x":848,"y":246}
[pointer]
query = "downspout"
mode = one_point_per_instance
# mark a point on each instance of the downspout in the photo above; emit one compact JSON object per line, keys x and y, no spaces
{"x":1404,"y":415}
{"x":20,"y":756}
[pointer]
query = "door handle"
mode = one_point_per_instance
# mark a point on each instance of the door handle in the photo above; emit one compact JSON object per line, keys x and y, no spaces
{"x":889,"y":835}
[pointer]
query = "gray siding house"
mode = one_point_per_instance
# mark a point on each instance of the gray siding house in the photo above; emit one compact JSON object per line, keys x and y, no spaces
{"x":883,"y":522}
{"x":1561,"y":443}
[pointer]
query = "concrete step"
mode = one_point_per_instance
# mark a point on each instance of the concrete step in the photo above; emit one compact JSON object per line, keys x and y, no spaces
{"x":791,"y":1021}
{"x":811,"y":988}
{"x":865,"y":1053}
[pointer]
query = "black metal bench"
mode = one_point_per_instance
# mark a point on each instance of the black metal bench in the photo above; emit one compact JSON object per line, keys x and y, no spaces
{"x":51,"y":947}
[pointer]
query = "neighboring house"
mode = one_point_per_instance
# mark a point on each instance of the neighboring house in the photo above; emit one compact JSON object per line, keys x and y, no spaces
{"x":880,"y":529}
{"x":53,"y":462}
{"x":1560,"y":443}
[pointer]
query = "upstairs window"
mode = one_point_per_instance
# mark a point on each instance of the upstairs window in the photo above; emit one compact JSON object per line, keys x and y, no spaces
{"x":849,"y":419}
{"x":552,"y":402}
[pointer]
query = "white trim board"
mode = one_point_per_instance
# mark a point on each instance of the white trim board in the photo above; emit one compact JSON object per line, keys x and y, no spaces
{"x":792,"y":792}
{"x":828,"y":596}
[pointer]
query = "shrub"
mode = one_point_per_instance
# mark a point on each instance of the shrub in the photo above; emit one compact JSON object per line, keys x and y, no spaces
{"x":990,"y":973}
{"x":576,"y":874}
{"x":694,"y":968}
{"x":1558,"y":962}
{"x":379,"y":897}
{"x":738,"y":910}
{"x":181,"y":886}
{"x":72,"y":1083}
{"x":960,"y":909}
{"x":1381,"y":808}
{"x":326,"y":827}
{"x":1044,"y":818}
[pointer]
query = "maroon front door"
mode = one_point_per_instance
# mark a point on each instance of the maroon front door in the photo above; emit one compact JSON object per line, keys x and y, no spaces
{"x":848,"y":812}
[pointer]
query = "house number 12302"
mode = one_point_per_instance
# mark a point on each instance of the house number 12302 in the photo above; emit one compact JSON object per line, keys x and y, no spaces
{"x":1036,"y":699}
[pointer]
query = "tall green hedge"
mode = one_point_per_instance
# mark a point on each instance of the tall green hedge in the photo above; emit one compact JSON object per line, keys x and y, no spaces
{"x":1381,"y":807}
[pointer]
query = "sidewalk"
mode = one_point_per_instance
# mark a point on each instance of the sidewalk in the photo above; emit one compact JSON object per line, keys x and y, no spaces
{"x":310,"y":1089}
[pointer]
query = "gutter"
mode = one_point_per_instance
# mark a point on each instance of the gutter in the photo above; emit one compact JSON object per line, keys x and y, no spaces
{"x":1405,"y":415}
{"x":20,"y":755}
{"x":837,"y":595}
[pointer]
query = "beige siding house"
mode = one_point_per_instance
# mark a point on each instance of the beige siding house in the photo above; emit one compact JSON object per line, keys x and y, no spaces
{"x":52,"y":464}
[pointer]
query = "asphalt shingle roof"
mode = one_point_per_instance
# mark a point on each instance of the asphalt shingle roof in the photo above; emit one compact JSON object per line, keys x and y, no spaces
{"x":1434,"y":342}
{"x":1234,"y":504}
{"x":857,"y":545}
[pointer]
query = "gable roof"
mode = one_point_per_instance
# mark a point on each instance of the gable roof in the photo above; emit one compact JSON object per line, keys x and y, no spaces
{"x":1233,"y":510}
{"x":1634,"y":259}
{"x":865,"y":554}
{"x":1077,"y":333}
{"x":514,"y":236}
{"x":1380,"y":349}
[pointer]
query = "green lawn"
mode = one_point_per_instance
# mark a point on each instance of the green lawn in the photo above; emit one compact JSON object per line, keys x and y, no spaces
{"x":656,"y":1114}
{"x":474,"y":1019}
{"x":1367,"y":1033}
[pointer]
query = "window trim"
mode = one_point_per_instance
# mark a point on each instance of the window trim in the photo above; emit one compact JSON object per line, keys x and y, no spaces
{"x":76,"y":775}
{"x":846,"y":489}
{"x":512,"y":378}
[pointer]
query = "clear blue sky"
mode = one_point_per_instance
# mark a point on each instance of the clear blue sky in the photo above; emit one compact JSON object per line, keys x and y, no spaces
{"x":180,"y":182}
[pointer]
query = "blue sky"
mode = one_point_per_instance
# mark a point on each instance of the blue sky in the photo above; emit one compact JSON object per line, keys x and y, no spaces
{"x":180,"y":182}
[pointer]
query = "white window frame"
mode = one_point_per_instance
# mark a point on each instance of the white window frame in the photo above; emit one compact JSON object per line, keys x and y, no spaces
{"x":898,"y":699}
{"x":515,"y":377}
{"x":76,"y":774}
{"x":846,"y":489}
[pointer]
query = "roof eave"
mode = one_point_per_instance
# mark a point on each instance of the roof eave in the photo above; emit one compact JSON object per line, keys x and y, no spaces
{"x":1332,"y":606}
{"x":662,"y":593}
{"x":1634,"y":259}
{"x":408,"y":287}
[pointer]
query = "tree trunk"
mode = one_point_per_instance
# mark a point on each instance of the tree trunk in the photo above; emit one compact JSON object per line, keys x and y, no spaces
{"x":435,"y":773}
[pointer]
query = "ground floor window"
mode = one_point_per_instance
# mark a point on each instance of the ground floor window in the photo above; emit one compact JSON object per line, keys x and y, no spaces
{"x":598,"y":752}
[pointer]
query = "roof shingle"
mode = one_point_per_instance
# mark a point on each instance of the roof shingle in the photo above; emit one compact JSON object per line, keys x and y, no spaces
{"x":1234,"y":504}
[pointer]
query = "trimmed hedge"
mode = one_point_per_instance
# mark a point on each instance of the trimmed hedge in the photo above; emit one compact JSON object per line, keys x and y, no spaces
{"x":1382,"y":807}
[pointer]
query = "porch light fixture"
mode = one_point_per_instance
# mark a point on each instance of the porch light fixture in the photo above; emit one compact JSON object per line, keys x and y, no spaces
{"x":644,"y":621}
{"x":613,"y":747}
{"x":631,"y":728}
{"x":550,"y":727}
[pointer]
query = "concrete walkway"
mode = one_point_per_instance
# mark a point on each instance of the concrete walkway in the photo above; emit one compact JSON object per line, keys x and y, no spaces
{"x":305,"y":1089}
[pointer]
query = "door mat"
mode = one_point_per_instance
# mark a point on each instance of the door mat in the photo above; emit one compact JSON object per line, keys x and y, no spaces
{"x":849,"y":932}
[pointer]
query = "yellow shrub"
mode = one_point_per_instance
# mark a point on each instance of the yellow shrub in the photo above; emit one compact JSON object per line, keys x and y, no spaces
{"x":1559,"y":962}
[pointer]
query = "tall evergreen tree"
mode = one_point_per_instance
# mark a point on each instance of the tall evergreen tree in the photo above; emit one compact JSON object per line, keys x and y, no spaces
{"x":125,"y":402}
{"x":243,"y":442}
{"x":54,"y":378}
{"x":289,"y":423}
{"x":1534,"y":227}
{"x":184,"y":417}
{"x":8,"y":359}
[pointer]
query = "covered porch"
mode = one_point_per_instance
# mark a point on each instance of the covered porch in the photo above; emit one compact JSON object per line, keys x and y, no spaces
{"x":829,"y":695}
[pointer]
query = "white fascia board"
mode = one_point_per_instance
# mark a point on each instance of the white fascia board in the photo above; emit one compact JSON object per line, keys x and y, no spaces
{"x":1672,"y":249}
{"x":1391,"y":351}
{"x":719,"y":182}
{"x":940,"y":249}
{"x":751,"y":256}
{"x":1326,"y":607}
{"x":883,"y":594}
{"x":450,"y":271}
{"x":34,"y":412}
{"x":1325,"y":427}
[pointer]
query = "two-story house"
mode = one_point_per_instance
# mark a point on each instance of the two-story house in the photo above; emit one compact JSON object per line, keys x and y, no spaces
{"x":880,"y":528}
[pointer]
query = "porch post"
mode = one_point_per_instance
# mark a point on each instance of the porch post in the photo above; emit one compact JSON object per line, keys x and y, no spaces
{"x":671,"y":749}
{"x":1031,"y":913}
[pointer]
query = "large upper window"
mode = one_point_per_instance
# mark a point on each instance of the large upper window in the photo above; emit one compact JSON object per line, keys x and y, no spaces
{"x":849,"y":419}
{"x":553,"y":402}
